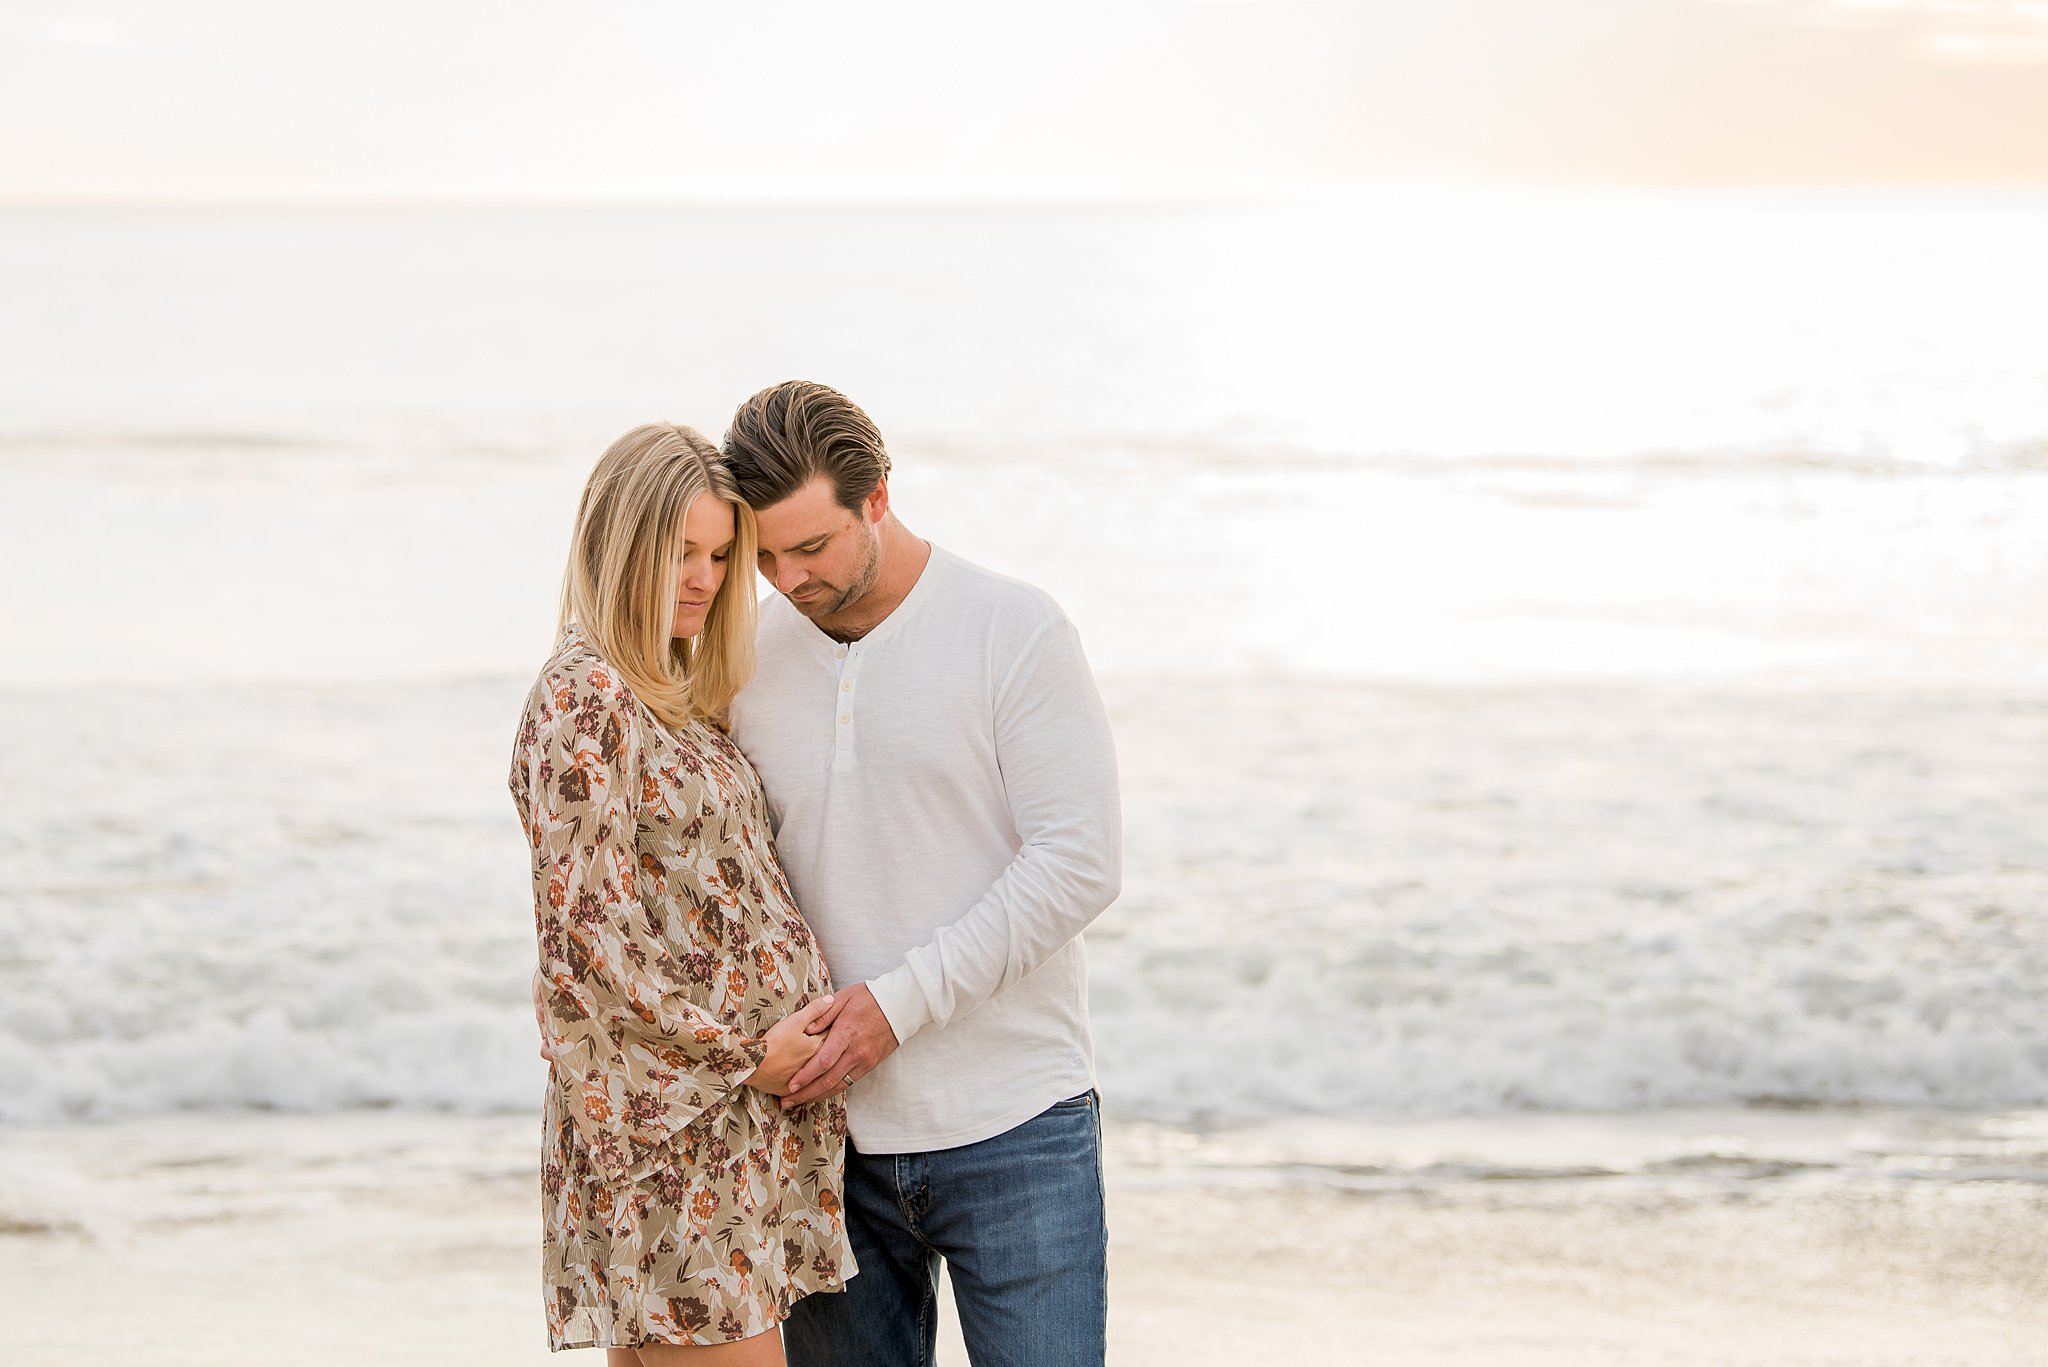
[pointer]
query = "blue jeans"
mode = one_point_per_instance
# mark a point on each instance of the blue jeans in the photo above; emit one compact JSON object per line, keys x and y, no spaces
{"x":1019,"y":1221}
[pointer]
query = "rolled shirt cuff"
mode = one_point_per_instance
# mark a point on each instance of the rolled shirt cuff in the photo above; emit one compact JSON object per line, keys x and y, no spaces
{"x":902,"y":1001}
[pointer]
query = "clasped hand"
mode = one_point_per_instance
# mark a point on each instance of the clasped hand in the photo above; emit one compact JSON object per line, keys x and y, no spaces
{"x":845,"y":1041}
{"x":814,"y":1051}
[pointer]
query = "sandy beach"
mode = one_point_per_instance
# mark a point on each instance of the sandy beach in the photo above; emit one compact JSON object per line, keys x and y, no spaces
{"x":409,"y":1239}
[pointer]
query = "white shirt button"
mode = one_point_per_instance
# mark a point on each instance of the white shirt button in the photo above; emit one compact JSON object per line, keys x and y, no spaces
{"x":846,"y":687}
{"x":845,"y":720}
{"x":841,"y":652}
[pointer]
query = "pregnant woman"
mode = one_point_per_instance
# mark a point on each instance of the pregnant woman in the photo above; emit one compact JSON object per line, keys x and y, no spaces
{"x":685,"y":1210}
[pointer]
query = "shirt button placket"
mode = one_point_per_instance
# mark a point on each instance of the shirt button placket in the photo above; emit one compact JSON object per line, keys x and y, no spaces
{"x":848,"y":665}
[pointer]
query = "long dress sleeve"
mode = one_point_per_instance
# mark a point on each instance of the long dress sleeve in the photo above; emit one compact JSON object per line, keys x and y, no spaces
{"x":637,"y":1057}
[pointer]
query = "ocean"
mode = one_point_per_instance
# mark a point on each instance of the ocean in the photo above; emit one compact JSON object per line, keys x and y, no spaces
{"x":1571,"y":653}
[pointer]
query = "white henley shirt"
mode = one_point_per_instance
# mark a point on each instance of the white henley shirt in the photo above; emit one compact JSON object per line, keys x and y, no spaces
{"x":944,"y":797}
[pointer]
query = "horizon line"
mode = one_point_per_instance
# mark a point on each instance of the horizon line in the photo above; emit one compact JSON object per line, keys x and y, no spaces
{"x":1011,"y":198}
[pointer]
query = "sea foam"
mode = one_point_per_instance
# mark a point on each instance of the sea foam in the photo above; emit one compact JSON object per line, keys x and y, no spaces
{"x":1345,"y":899}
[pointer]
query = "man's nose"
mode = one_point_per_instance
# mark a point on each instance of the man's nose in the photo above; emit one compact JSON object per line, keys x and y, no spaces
{"x":787,"y":577}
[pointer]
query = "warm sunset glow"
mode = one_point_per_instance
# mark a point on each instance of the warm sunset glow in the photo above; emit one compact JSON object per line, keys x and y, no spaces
{"x":443,"y":99}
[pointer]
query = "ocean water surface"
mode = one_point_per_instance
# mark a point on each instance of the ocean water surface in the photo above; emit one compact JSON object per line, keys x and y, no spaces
{"x":1569,"y":654}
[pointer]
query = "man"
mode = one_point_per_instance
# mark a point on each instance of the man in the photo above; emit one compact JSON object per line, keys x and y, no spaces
{"x":943,"y":789}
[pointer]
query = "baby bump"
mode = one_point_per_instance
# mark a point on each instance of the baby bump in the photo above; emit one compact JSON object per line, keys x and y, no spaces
{"x":801,"y":957}
{"x":803,"y":962}
{"x":777,"y":959}
{"x":810,"y":962}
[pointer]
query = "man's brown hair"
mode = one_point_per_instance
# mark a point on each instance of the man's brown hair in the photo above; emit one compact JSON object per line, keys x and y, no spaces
{"x":789,"y":434}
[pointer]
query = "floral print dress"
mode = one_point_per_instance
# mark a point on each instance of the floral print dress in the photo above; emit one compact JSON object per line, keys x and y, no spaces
{"x":680,"y":1205}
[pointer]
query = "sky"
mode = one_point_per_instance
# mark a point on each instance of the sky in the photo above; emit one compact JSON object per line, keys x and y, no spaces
{"x":226,"y":100}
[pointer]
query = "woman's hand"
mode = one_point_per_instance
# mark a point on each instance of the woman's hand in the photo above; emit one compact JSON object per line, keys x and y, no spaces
{"x":790,"y":1046}
{"x":541,"y":989}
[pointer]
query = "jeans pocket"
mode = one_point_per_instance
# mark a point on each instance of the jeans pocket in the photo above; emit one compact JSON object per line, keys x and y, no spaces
{"x":1084,"y":1102}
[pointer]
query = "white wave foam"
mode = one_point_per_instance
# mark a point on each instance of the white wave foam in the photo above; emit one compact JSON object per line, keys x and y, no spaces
{"x":1779,"y":1013}
{"x":1351,"y":900}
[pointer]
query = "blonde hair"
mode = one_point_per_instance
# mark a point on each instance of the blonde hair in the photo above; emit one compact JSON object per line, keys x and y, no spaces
{"x":620,"y":586}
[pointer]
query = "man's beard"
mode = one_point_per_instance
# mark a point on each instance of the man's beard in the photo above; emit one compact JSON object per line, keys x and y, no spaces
{"x":864,"y":580}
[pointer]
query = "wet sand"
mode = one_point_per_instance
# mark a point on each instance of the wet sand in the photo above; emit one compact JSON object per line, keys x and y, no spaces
{"x":409,"y":1239}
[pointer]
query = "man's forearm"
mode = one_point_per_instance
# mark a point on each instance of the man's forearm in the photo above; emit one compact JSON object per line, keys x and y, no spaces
{"x":1035,"y":910}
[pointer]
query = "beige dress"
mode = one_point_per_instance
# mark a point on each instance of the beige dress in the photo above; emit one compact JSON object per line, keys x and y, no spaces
{"x":679,"y":1205}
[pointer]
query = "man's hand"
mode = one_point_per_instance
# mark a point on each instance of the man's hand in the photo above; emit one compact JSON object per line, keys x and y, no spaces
{"x":858,"y":1038}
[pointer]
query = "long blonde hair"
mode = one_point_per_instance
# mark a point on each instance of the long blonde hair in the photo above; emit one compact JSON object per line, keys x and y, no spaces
{"x":620,"y":587}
